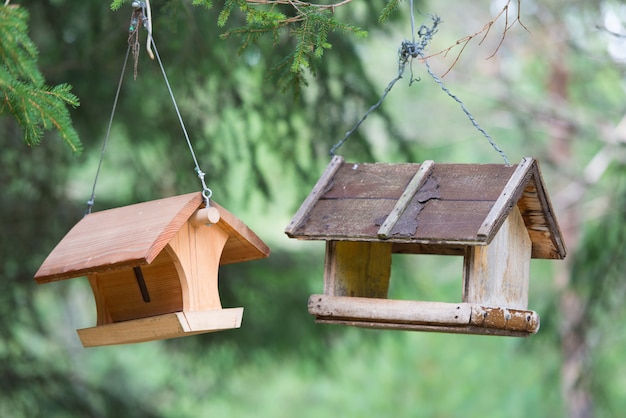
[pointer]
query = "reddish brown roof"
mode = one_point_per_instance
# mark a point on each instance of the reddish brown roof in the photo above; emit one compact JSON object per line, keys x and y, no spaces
{"x":454,"y":205}
{"x":134,"y":235}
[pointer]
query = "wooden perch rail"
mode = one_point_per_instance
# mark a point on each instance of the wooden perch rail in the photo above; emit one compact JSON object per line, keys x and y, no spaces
{"x":462,"y":318}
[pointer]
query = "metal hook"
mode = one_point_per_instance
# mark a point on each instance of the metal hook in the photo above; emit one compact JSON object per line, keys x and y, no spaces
{"x":206,"y":192}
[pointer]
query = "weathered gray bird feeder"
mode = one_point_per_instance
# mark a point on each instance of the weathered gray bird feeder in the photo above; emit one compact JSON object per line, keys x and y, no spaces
{"x":496,"y":217}
{"x":153,"y":268}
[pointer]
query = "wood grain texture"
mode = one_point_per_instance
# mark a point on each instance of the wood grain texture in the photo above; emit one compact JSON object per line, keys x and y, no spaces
{"x":541,"y":220}
{"x":498,"y":274}
{"x":196,"y":254}
{"x":405,"y":199}
{"x":172,"y":325}
{"x":465,"y":318}
{"x":370,"y":181}
{"x":318,"y":190}
{"x":134,"y":235}
{"x":471,"y":202}
{"x":243,"y":243}
{"x":205,"y":217}
{"x":357,"y":269}
{"x":508,"y":198}
{"x":482,"y":182}
{"x":118,"y":297}
{"x":122,"y":237}
{"x":389,"y":310}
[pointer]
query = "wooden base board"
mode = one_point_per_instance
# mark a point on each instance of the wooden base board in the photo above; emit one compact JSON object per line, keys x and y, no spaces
{"x":459,"y":318}
{"x":160,"y":327}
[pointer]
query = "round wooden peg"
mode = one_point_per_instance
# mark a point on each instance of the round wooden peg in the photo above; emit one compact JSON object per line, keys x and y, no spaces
{"x":205,"y":216}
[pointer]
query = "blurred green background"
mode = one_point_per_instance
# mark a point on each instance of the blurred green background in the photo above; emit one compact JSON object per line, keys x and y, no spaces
{"x":554,"y":90}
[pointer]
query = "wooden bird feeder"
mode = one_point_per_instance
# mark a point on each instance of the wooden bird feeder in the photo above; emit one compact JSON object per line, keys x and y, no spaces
{"x":153,"y":268}
{"x":497,"y":217}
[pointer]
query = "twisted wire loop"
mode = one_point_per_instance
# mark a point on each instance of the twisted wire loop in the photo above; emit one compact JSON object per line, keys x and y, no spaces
{"x":408,"y":51}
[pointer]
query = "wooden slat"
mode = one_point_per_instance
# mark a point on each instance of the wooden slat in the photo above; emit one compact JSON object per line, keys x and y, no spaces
{"x":355,"y":219}
{"x":371,"y":181}
{"x":452,"y":221}
{"x":318,"y":190}
{"x":511,"y":193}
{"x":401,"y":205}
{"x":540,"y":219}
{"x":172,"y":325}
{"x":482,"y":182}
{"x":346,"y":218}
{"x":498,"y":274}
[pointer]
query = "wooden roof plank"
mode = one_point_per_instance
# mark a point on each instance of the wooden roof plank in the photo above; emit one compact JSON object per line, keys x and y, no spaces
{"x":508,"y":198}
{"x":371,"y":181}
{"x":546,"y":234}
{"x":318,"y":190}
{"x":416,"y":182}
{"x":472,"y":181}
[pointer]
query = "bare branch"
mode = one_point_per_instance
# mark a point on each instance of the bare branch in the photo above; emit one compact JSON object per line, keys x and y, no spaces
{"x":484,"y":31}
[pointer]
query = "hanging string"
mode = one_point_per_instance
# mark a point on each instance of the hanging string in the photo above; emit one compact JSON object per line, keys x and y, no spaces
{"x":206,"y":192}
{"x":407,"y":52}
{"x":92,"y":199}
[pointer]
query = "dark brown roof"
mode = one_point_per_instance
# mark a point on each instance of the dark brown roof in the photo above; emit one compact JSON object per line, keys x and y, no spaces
{"x":417,"y":206}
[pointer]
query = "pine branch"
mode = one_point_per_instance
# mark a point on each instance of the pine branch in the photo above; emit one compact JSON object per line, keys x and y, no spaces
{"x":34,"y":105}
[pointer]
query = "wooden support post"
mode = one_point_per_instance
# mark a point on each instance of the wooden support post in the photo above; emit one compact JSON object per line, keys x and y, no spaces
{"x":198,"y":272}
{"x":498,"y":274}
{"x":357,"y":269}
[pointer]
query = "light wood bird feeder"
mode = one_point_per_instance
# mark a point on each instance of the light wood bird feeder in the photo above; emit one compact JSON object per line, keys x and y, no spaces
{"x":496,"y":216}
{"x":153,"y":268}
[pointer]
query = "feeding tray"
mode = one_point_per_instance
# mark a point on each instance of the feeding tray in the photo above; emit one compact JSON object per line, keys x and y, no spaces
{"x":497,"y":217}
{"x":153,"y":268}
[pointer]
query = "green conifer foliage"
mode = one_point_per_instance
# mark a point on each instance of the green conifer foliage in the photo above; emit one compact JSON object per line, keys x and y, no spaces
{"x":24,"y":94}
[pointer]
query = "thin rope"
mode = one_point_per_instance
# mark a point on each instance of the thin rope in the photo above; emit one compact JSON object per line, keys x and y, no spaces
{"x":92,"y":199}
{"x":407,"y":52}
{"x":206,"y":192}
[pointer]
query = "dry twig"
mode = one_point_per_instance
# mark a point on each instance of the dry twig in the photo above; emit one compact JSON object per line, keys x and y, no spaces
{"x":484,"y":32}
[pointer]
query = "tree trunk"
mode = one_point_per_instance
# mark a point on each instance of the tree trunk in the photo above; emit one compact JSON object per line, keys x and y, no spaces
{"x":574,"y":383}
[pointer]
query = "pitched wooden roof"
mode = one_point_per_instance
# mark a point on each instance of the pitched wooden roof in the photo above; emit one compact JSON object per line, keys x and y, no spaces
{"x":134,"y":235}
{"x":417,"y":206}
